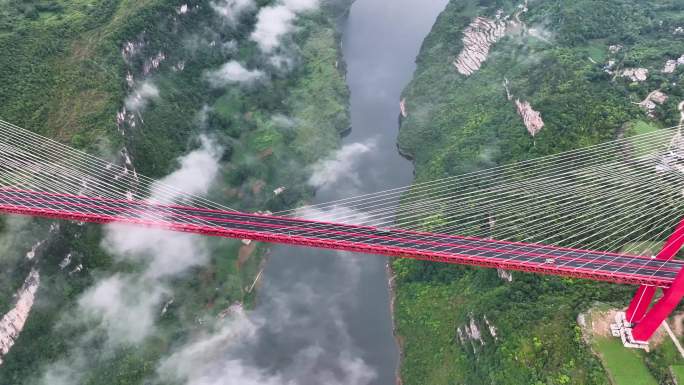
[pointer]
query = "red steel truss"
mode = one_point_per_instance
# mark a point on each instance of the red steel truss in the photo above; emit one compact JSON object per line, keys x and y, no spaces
{"x":661,"y":271}
{"x":501,"y":254}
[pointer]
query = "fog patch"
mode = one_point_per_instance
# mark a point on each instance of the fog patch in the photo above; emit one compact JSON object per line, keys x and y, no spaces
{"x":275,"y":21}
{"x":301,"y":5}
{"x":15,"y":227}
{"x":169,"y":253}
{"x":542,"y":33}
{"x":66,"y":372}
{"x":232,"y":72}
{"x":231,"y":10}
{"x":197,"y":171}
{"x":141,"y":96}
{"x":229,"y":47}
{"x":125,"y":305}
{"x":336,"y":213}
{"x":272,"y":23}
{"x":488,"y":154}
{"x":229,"y":356}
{"x":282,"y":63}
{"x":283,"y":121}
{"x":341,"y":166}
{"x":282,"y":341}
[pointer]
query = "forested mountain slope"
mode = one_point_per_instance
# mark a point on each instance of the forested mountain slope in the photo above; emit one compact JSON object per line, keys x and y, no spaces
{"x":205,"y":91}
{"x":502,"y":81}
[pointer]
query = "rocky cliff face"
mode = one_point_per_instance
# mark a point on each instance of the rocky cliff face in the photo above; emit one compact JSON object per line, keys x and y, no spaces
{"x":478,"y":38}
{"x":481,"y":34}
{"x":13,"y":322}
{"x":470,"y":332}
{"x":531,"y":119}
{"x":635,"y":74}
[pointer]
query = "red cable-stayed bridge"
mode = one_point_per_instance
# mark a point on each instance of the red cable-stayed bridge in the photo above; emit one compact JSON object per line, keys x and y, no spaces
{"x":650,"y":273}
{"x":36,"y":185}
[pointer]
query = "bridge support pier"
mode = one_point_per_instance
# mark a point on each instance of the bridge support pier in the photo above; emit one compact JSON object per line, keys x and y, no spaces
{"x":648,"y":321}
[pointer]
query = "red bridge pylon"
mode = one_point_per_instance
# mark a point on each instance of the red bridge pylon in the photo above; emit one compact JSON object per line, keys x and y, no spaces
{"x":646,"y":321}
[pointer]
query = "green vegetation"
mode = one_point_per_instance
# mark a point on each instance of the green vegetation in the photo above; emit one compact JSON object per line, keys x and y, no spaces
{"x":458,"y":124}
{"x":537,"y":340}
{"x":61,"y":65}
{"x":625,"y":366}
{"x":61,"y":72}
{"x":643,"y":127}
{"x":64,"y":76}
{"x":643,"y":248}
{"x":678,"y":372}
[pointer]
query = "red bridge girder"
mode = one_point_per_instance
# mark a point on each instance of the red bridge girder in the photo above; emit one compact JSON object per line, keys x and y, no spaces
{"x":435,"y":256}
{"x":660,"y":272}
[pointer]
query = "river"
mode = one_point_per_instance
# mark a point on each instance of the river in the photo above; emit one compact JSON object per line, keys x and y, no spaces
{"x":329,"y":311}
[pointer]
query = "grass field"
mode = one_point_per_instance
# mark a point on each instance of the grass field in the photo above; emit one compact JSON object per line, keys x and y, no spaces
{"x":625,"y":366}
{"x":678,"y":373}
{"x":642,"y":248}
{"x":650,"y":146}
{"x":643,"y":127}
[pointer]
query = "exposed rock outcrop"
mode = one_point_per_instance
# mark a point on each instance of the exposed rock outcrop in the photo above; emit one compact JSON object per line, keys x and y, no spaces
{"x":505,"y":275}
{"x":635,"y":74}
{"x":13,"y":322}
{"x":651,"y":102}
{"x":165,"y":308}
{"x":32,"y":253}
{"x":474,"y":331}
{"x":671,"y":65}
{"x":478,"y":37}
{"x":492,"y":328}
{"x":531,"y":118}
{"x":153,"y":63}
{"x":235,"y":308}
{"x":402,"y":108}
{"x":481,"y":34}
{"x":470,"y":332}
{"x":131,"y":48}
{"x":65,"y":262}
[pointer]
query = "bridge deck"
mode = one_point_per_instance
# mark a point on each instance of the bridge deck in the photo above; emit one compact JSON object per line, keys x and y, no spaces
{"x":596,"y":265}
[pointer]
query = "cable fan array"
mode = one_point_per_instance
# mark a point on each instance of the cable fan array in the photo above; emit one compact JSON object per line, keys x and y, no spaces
{"x":620,"y":196}
{"x":623,"y":195}
{"x":29,"y":161}
{"x":32,"y":161}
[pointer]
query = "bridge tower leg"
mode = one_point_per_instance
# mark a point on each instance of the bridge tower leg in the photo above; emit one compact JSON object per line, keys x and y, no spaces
{"x":647,"y":321}
{"x":660,"y":311}
{"x":640,"y":303}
